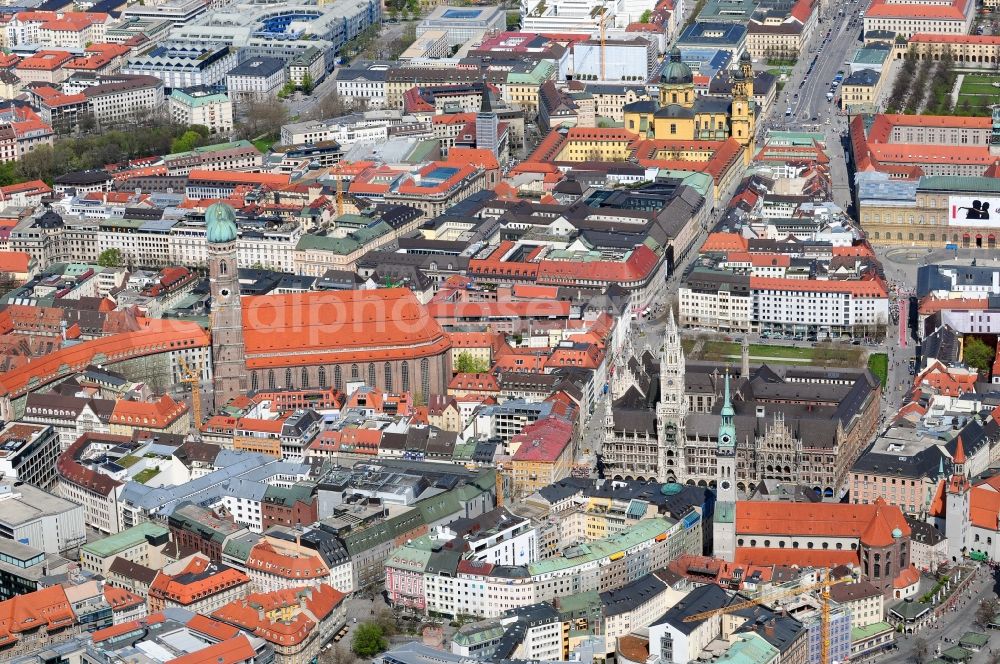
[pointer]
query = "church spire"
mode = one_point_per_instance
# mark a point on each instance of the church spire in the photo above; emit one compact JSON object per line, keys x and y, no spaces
{"x":959,"y":459}
{"x":727,"y":427}
{"x":727,"y":404}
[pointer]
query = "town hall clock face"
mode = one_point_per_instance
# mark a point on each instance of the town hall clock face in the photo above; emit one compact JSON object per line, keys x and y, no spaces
{"x":725,"y":440}
{"x":724,"y":485}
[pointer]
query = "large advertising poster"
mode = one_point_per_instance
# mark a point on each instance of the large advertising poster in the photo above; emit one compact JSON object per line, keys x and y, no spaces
{"x":982,"y":211}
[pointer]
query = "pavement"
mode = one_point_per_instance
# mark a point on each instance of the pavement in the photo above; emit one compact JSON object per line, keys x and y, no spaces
{"x":805,"y":90}
{"x":951,"y":625}
{"x":300,"y":104}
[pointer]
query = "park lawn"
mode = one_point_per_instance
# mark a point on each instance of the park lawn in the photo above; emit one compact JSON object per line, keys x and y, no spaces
{"x":978,"y":105}
{"x":264,"y":144}
{"x":878,"y":363}
{"x":977,"y":84}
{"x":842,"y":356}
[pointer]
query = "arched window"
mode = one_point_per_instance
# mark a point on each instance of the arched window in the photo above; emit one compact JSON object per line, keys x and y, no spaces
{"x":371,"y":375}
{"x":305,"y":378}
{"x":253,"y":381}
{"x":338,"y":377}
{"x":322,"y":376}
{"x":425,"y":378}
{"x":223,"y":267}
{"x":270,"y":379}
{"x":387,"y":368}
{"x":354,"y":372}
{"x":405,"y":374}
{"x":288,"y":377}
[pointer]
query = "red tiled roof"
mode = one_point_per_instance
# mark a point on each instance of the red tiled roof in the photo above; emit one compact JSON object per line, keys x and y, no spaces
{"x":857,"y":288}
{"x":264,"y":557}
{"x":71,"y":470}
{"x":724,"y":242}
{"x":157,"y":414}
{"x":908,"y":10}
{"x":543,"y":441}
{"x":182,"y":592}
{"x":231,"y":651}
{"x":251,"y":613}
{"x":474,"y":383}
{"x":485,"y":310}
{"x":238,"y":177}
{"x":154,"y":336}
{"x":125,"y":628}
{"x":45,"y":60}
{"x":47,"y":608}
{"x":815,"y":519}
{"x":936,"y":38}
{"x":879,"y":532}
{"x":338,"y":326}
{"x":906,"y":578}
{"x":14,"y":261}
{"x":639,"y":266}
{"x":984,"y":508}
{"x":816,"y":558}
{"x":931,"y":304}
{"x":120,"y":598}
{"x":32,"y":187}
{"x":211,"y":628}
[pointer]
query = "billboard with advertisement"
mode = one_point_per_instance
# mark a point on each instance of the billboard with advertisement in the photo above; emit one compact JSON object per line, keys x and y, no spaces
{"x":977,"y":211}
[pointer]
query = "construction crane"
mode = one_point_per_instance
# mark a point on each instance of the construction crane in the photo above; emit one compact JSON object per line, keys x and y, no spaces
{"x":499,"y":481}
{"x":340,"y":191}
{"x":824,"y":588}
{"x":601,"y":25}
{"x":193,"y":379}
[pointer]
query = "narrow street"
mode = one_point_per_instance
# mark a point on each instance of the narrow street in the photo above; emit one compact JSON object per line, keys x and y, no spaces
{"x":951,"y":625}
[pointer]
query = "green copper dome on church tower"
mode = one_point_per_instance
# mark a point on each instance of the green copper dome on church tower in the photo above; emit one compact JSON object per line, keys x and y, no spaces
{"x":675,"y":72}
{"x":220,"y":222}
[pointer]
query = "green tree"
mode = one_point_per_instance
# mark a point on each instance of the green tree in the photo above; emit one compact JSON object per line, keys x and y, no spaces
{"x":986,"y":611}
{"x":110,"y":258}
{"x":186,"y":142}
{"x":978,"y":354}
{"x":466,"y":363}
{"x":307,"y":83}
{"x":646,"y":15}
{"x":368,"y":640}
{"x":386,"y":621}
{"x":8,"y":173}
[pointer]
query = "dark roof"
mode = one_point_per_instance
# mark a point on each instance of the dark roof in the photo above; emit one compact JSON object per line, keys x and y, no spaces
{"x":259,"y":66}
{"x":130,"y":570}
{"x":631,"y":595}
{"x":781,"y":631}
{"x":703,"y":598}
{"x":923,"y":532}
{"x":84,"y":178}
{"x":849,"y":592}
{"x":942,"y":344}
{"x":675,"y":111}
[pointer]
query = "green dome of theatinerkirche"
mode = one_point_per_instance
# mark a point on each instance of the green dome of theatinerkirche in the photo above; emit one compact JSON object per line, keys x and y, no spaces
{"x":675,"y":71}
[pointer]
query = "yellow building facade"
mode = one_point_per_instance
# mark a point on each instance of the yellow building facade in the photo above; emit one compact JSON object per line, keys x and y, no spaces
{"x":681,"y":114}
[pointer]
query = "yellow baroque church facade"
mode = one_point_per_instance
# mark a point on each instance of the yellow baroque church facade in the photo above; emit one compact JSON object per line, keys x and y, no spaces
{"x":683,"y":115}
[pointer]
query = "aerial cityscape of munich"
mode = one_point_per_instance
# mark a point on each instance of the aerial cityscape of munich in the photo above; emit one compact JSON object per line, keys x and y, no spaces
{"x":499,"y":332}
